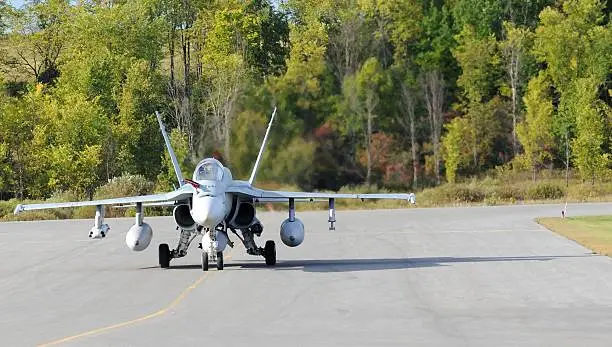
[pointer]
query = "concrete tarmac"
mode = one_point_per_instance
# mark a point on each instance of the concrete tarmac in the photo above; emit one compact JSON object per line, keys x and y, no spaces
{"x":482,"y":276}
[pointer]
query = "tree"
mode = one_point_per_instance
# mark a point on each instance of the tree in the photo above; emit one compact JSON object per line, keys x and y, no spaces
{"x":525,"y":13}
{"x":19,"y":118}
{"x":306,"y":63}
{"x":433,"y":89}
{"x":535,"y":132}
{"x":350,"y":41}
{"x":364,"y":89}
{"x":37,"y":38}
{"x":486,"y":133}
{"x":402,"y":25}
{"x":363,"y":93}
{"x":433,"y":49}
{"x":515,"y":49}
{"x":436,"y":71}
{"x":4,"y":13}
{"x":407,"y":119}
{"x":479,"y":62}
{"x":591,"y":115}
{"x":484,"y":16}
{"x":232,"y":32}
{"x":398,"y":22}
{"x":180,"y":18}
{"x":454,"y":147}
{"x":574,"y":44}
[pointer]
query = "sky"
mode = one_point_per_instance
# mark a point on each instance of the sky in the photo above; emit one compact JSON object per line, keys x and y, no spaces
{"x":15,"y":3}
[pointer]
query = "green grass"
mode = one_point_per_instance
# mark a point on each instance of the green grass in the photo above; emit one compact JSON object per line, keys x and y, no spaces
{"x":593,"y":232}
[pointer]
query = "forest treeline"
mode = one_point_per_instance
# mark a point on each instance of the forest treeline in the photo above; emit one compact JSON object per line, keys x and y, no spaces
{"x":398,"y":93}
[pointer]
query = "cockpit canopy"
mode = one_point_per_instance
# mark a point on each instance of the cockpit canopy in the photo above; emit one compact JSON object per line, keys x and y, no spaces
{"x":208,"y":170}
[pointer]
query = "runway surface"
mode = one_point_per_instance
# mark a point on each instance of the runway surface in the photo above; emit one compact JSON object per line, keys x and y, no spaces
{"x":486,"y":276}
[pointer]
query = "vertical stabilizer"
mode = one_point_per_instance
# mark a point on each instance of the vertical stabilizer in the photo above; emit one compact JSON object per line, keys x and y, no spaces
{"x":177,"y":168}
{"x":261,"y":150}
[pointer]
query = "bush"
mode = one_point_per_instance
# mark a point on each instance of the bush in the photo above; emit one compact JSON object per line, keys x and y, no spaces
{"x":362,"y":189}
{"x":63,"y":196}
{"x":118,"y":187}
{"x":467,"y":194}
{"x":36,"y":215}
{"x":7,"y":207}
{"x":84,"y":212}
{"x":545,"y":191}
{"x":589,"y":192}
{"x":451,"y":194}
{"x":508,"y":193}
{"x":126,"y":185}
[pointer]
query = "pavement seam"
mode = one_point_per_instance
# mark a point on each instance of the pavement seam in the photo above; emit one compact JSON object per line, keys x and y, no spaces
{"x":158,"y":313}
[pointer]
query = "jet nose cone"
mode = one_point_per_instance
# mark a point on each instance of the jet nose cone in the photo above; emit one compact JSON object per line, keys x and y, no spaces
{"x":208,"y":211}
{"x":212,"y":217}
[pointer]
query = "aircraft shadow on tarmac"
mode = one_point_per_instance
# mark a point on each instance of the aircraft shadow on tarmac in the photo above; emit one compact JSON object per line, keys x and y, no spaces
{"x":353,"y":265}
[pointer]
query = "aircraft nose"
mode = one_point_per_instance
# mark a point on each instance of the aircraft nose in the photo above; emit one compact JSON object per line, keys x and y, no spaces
{"x":208,"y":211}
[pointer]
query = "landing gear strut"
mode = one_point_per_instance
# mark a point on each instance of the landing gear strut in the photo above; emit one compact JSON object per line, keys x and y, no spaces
{"x":248,"y":240}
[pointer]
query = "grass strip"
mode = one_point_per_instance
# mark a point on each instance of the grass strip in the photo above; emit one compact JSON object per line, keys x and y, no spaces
{"x":594,"y":232}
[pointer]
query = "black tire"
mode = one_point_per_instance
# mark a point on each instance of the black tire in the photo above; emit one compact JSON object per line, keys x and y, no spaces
{"x":219,"y":260}
{"x":204,"y":261}
{"x":270,"y":253}
{"x":164,"y":256}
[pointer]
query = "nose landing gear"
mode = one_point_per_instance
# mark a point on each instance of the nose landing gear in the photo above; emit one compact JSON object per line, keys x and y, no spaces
{"x":213,"y":243}
{"x":218,"y":259}
{"x":204,"y":261}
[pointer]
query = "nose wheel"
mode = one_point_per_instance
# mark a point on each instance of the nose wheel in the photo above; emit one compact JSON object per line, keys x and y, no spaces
{"x":219,"y":260}
{"x":205,"y":260}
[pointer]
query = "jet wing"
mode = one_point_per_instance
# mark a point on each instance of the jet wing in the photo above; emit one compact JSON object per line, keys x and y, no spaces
{"x":149,"y":204}
{"x":182,"y":193}
{"x":260,"y":195}
{"x":281,"y":200}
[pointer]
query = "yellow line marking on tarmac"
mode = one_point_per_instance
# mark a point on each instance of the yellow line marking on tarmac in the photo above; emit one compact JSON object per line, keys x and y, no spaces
{"x":161,"y":312}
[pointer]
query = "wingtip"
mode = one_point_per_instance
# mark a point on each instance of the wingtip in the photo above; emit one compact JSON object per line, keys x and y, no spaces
{"x":18,"y":209}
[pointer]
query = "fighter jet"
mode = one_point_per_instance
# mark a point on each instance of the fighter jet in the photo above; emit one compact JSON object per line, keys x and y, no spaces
{"x":209,"y":205}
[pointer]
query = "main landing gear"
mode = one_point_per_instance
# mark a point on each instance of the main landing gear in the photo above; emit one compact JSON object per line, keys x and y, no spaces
{"x":269,"y":253}
{"x":165,"y":254}
{"x":248,"y":240}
